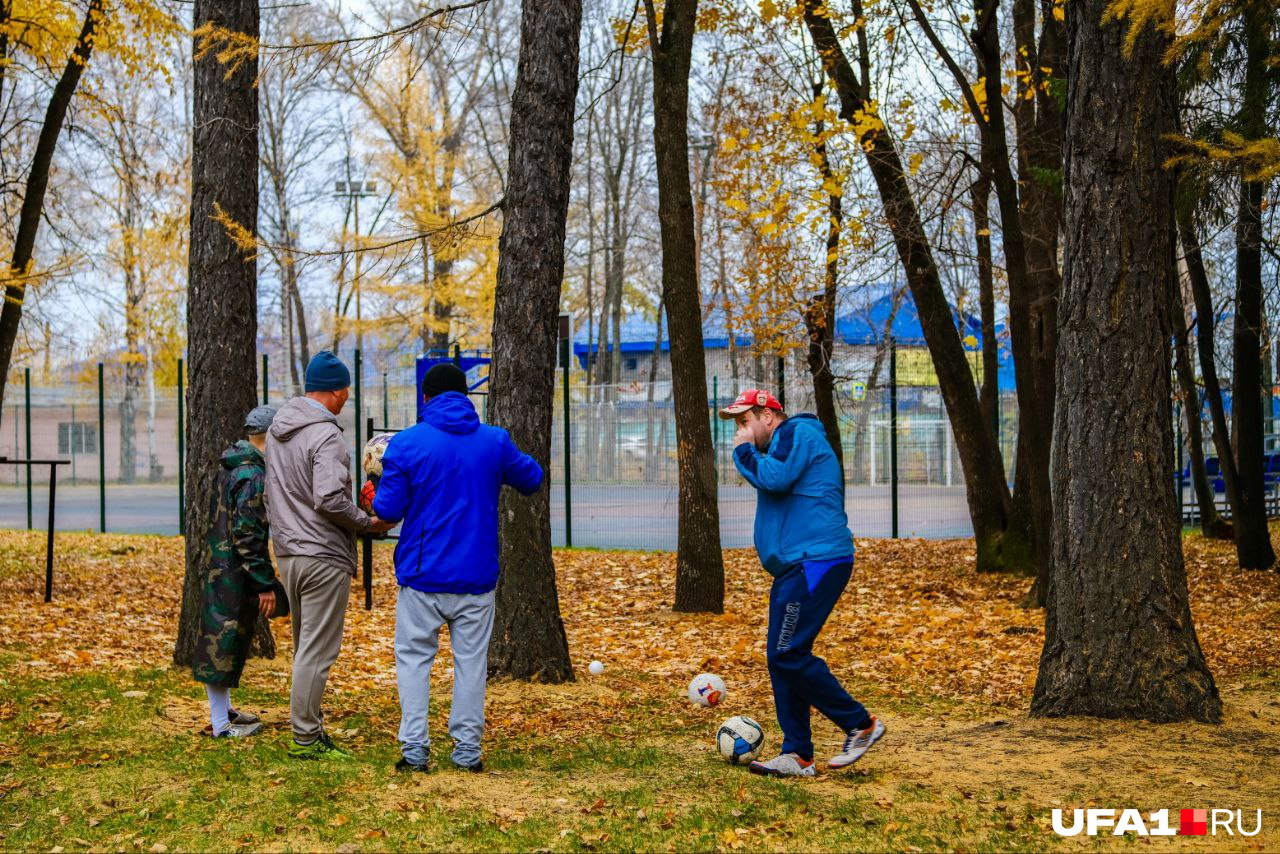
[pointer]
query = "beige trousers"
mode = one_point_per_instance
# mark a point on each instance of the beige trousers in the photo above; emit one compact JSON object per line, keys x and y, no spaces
{"x":318,"y":590}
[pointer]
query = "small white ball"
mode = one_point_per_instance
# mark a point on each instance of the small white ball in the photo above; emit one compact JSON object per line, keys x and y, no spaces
{"x":707,"y":689}
{"x":595,"y":668}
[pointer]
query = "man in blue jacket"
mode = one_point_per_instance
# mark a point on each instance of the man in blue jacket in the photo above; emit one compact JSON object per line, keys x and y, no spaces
{"x":442,"y":477}
{"x":803,"y":539}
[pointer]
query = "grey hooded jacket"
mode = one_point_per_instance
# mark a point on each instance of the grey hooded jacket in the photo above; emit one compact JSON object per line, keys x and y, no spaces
{"x":309,"y":486}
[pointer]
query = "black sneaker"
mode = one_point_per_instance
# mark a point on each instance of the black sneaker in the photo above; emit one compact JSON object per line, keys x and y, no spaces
{"x":475,"y":768}
{"x":413,"y":767}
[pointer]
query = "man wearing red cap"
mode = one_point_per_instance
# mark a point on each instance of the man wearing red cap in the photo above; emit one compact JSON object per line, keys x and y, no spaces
{"x":803,"y":539}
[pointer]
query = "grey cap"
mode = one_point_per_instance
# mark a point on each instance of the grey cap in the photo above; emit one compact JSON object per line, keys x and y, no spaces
{"x":259,"y":419}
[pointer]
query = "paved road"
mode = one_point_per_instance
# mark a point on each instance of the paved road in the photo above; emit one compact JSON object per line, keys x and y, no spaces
{"x":626,"y":517}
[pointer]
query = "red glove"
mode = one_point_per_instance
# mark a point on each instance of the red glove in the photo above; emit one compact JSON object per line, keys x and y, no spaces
{"x":367,"y":493}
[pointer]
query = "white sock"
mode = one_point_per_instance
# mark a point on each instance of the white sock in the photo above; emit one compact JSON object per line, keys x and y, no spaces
{"x":219,"y":707}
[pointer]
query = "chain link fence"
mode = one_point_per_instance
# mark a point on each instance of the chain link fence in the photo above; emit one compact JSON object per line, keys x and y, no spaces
{"x":124,"y":448}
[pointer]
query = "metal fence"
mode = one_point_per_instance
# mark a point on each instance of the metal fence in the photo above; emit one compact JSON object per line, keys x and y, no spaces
{"x":125,"y":453}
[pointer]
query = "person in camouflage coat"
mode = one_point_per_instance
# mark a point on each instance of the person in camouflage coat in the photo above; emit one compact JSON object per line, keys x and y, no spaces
{"x":241,"y":581}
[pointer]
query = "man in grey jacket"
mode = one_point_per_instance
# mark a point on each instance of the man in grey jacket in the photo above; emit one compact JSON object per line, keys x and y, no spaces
{"x":314,"y":523}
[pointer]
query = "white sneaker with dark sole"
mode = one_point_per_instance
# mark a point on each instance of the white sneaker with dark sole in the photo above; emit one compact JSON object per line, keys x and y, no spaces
{"x":856,"y":744}
{"x":786,"y":765}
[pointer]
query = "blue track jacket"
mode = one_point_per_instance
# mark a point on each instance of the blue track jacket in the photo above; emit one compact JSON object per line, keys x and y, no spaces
{"x":442,"y":477}
{"x":800,"y":503}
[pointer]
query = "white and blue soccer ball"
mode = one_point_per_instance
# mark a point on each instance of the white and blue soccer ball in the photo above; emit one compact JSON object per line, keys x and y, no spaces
{"x":739,"y":740}
{"x":707,"y":689}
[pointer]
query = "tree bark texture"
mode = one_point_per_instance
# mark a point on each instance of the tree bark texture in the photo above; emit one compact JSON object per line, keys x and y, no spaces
{"x":222,"y":294}
{"x":1206,"y":325}
{"x":989,"y":394}
{"x":699,"y":561}
{"x":1253,"y":539}
{"x":528,"y":638}
{"x":1033,"y":349}
{"x":1211,"y":522}
{"x":1119,"y":639}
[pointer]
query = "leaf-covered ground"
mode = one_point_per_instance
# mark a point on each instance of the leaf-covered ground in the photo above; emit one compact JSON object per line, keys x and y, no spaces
{"x":98,"y":744}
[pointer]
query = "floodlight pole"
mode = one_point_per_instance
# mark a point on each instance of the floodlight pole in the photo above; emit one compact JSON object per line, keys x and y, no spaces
{"x":355,"y":191}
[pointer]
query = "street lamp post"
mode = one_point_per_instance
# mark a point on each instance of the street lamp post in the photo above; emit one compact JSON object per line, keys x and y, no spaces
{"x":355,"y":190}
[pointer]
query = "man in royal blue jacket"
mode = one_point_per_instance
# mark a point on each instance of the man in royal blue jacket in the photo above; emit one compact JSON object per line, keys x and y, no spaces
{"x":442,"y":478}
{"x":803,"y":539}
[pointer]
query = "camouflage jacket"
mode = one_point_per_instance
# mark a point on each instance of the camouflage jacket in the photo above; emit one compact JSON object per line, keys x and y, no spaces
{"x":239,"y":567}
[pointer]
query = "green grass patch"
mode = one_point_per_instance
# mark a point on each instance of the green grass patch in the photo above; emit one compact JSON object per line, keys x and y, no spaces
{"x":94,"y":761}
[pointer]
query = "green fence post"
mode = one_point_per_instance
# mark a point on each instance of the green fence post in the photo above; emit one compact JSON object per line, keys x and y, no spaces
{"x":386,"y":414}
{"x":568,"y":466}
{"x":264,"y":379}
{"x":359,"y":446}
{"x":893,"y":432}
{"x":102,"y":448}
{"x":26,"y":382}
{"x":182,"y":455}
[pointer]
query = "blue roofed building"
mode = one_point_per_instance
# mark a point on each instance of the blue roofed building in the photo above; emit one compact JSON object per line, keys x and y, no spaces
{"x":860,"y":336}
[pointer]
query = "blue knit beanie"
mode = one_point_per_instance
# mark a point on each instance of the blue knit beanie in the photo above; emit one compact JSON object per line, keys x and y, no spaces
{"x":327,"y":373}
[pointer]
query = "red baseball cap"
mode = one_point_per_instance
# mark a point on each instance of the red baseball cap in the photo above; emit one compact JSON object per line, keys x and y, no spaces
{"x":750,"y":399}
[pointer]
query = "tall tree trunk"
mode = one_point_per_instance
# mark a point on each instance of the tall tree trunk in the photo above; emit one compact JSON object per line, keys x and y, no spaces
{"x":290,"y":341}
{"x":1038,"y":124}
{"x":820,"y":313}
{"x":615,"y":251}
{"x":989,"y":396}
{"x":441,"y":307}
{"x":1119,"y":639}
{"x":1032,"y":510}
{"x":1206,"y":325}
{"x":134,"y":362}
{"x":155,"y":472}
{"x":222,"y":292}
{"x":605,"y":357}
{"x":528,"y":639}
{"x":1211,"y":523}
{"x":133,"y":375}
{"x":998,"y":546}
{"x":699,"y":561}
{"x":1253,"y":539}
{"x":592,"y":424}
{"x":24,"y":242}
{"x":292,"y":296}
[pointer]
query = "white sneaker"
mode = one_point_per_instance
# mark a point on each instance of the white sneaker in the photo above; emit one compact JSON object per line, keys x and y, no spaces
{"x":857,"y":743}
{"x":786,"y":765}
{"x":240,"y":731}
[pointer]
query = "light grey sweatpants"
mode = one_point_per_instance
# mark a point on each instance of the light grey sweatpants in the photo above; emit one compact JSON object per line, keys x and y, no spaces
{"x":419,"y":617}
{"x":318,"y":590}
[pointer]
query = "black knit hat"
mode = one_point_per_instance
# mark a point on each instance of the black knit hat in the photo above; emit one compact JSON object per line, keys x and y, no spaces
{"x":444,"y":377}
